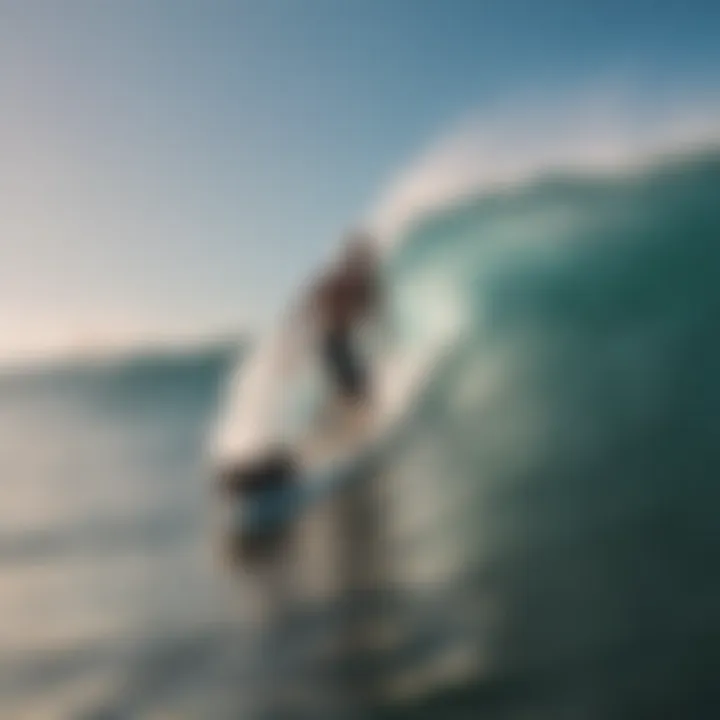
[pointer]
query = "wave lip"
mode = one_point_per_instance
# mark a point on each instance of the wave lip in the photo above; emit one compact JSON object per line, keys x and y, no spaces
{"x":523,"y":141}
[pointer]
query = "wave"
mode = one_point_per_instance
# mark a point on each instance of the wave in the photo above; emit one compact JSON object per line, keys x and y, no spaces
{"x":574,"y":444}
{"x":544,"y":533}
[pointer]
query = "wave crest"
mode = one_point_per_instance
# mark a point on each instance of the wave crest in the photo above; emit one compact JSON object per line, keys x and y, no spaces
{"x":525,"y":140}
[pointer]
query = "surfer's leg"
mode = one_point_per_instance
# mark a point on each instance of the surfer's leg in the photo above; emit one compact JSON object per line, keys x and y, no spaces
{"x":277,"y":469}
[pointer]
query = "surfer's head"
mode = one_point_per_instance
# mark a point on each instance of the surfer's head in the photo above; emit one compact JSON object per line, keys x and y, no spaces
{"x":360,"y":250}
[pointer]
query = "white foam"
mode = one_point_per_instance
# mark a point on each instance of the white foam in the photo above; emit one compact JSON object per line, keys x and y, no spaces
{"x":606,"y":130}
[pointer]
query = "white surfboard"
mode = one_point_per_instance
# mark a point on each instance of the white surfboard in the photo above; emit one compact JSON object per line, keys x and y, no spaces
{"x":330,"y":453}
{"x":280,"y":400}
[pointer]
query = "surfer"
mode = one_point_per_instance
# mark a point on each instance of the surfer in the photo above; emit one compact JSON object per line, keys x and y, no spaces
{"x":341,"y":301}
{"x":264,"y":482}
{"x":338,"y":303}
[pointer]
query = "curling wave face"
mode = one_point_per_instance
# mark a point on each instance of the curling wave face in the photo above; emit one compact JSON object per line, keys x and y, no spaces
{"x":560,"y":496}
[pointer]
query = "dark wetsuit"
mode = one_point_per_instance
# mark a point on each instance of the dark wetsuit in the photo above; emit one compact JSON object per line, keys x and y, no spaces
{"x":343,"y":303}
{"x":342,"y":364}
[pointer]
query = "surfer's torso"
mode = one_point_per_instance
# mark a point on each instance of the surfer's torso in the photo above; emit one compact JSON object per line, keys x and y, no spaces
{"x":343,"y":300}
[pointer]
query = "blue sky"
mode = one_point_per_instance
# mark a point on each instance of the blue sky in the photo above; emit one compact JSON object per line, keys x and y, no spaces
{"x":175,"y":166}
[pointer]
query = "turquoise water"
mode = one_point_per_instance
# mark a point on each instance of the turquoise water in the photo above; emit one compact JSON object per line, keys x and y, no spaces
{"x":545,"y":545}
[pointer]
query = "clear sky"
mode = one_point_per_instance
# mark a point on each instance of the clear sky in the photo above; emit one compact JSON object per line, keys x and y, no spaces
{"x":174,"y":166}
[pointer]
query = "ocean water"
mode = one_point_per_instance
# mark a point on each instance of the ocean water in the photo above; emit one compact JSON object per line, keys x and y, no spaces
{"x":107,"y":607}
{"x":545,"y":544}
